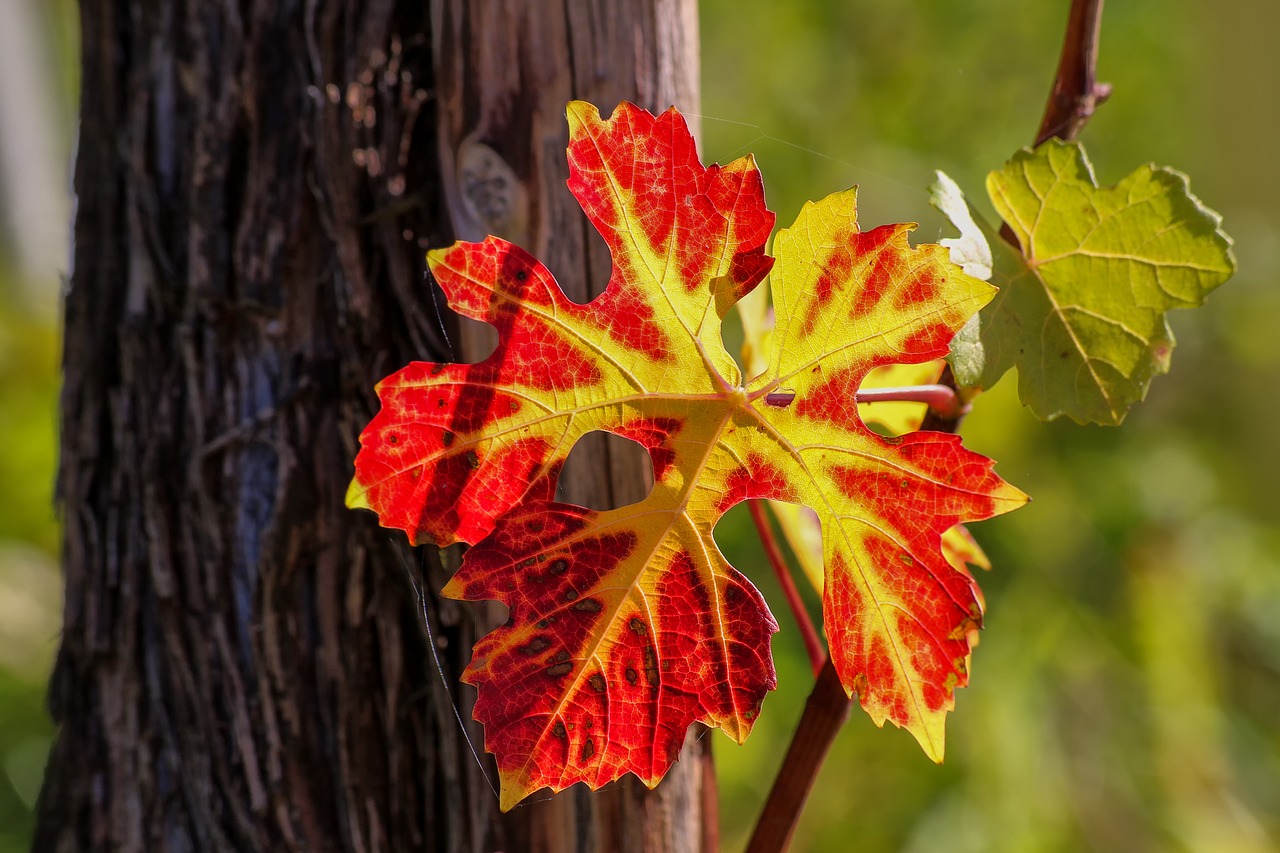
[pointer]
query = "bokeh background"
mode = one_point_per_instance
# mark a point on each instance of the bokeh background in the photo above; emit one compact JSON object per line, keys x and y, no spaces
{"x":1126,"y":694}
{"x":38,"y":88}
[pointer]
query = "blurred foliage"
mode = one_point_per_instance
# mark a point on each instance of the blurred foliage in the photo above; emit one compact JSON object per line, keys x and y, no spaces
{"x":30,"y":595}
{"x":1125,"y":694}
{"x":39,"y":118}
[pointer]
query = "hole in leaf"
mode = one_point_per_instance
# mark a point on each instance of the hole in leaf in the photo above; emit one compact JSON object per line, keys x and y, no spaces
{"x":735,"y":534}
{"x":595,"y":461}
{"x":732,"y":335}
{"x":476,"y":340}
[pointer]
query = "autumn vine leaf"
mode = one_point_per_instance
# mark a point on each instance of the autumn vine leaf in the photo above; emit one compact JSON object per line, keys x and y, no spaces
{"x":628,"y":625}
{"x":1082,"y":302}
{"x":799,"y":524}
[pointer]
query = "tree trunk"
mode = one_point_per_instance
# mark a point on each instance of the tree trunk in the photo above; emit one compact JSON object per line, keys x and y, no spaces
{"x":245,"y":663}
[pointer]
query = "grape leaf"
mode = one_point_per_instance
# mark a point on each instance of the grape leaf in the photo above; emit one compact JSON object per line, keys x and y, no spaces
{"x":1081,"y":310}
{"x":799,"y":524}
{"x":889,"y":418}
{"x":626,"y":626}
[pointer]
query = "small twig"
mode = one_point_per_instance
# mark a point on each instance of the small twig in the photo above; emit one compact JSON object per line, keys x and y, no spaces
{"x":941,"y":399}
{"x":941,"y":421}
{"x":824,"y":715}
{"x":1076,"y":91}
{"x":808,"y":633}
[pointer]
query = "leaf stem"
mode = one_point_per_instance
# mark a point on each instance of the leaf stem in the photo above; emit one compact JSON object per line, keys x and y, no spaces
{"x":824,"y":715}
{"x":808,"y":633}
{"x":941,"y":399}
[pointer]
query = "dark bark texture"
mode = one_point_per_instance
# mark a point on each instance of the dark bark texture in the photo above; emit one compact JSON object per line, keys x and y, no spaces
{"x":245,"y":664}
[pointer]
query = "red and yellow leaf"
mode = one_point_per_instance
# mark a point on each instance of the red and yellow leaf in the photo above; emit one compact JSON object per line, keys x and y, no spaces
{"x":628,"y":625}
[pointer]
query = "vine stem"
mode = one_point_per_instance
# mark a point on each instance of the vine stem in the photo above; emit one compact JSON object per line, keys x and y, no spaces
{"x":812,"y":642}
{"x":1076,"y":91}
{"x":1072,"y":101}
{"x":824,"y":715}
{"x":941,"y":399}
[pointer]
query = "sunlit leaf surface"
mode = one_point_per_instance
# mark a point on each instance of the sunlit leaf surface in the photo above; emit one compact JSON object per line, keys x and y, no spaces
{"x":626,"y":626}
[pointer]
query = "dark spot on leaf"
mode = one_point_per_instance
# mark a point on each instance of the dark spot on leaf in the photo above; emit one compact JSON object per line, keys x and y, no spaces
{"x":543,"y":623}
{"x":905,"y":558}
{"x":447,"y":439}
{"x":558,"y":730}
{"x":560,"y":566}
{"x":570,"y":594}
{"x":537,"y":644}
{"x":560,"y":656}
{"x":637,"y":624}
{"x":597,"y":682}
{"x":394,"y":439}
{"x":632,"y":675}
{"x":588,"y":749}
{"x":437,"y":369}
{"x":559,"y":670}
{"x":651,"y":667}
{"x":473,"y":459}
{"x":522,"y":276}
{"x":588,"y":605}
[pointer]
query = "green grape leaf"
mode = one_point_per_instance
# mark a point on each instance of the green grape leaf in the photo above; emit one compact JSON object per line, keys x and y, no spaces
{"x":1081,"y":308}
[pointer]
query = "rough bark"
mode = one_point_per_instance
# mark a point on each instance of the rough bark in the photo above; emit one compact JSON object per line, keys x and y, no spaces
{"x":244,"y":661}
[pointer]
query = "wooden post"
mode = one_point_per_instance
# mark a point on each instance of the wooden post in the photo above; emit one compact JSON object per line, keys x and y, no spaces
{"x":244,"y":661}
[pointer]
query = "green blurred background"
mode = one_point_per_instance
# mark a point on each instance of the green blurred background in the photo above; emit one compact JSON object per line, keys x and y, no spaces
{"x":38,"y":88}
{"x":1126,"y":695}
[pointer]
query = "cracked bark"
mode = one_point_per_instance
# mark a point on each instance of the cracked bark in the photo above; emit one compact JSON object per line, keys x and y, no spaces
{"x":244,"y":664}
